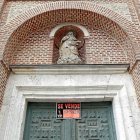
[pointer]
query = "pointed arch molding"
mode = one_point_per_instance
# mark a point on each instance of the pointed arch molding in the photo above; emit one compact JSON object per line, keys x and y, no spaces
{"x":16,"y":30}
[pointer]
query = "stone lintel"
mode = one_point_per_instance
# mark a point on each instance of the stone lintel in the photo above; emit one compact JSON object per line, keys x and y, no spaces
{"x":69,"y":69}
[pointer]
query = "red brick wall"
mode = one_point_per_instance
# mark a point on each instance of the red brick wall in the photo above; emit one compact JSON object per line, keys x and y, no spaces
{"x":136,"y":80}
{"x":100,"y":48}
{"x":3,"y":80}
{"x":132,"y":5}
{"x":37,"y":48}
{"x":103,"y":49}
{"x":79,"y":16}
{"x":2,"y":3}
{"x":137,"y":8}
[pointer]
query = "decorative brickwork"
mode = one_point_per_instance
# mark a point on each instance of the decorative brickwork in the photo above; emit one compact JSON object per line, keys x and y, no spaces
{"x":3,"y":80}
{"x":79,"y":16}
{"x":125,"y":8}
{"x":137,"y":7}
{"x":31,"y":25}
{"x":136,"y":80}
{"x":2,"y":3}
{"x":16,"y":10}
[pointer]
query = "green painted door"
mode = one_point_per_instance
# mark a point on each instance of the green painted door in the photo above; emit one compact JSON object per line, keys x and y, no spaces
{"x":96,"y":123}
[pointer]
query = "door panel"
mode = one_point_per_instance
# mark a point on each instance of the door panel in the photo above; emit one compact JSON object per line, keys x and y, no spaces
{"x":41,"y":123}
{"x":96,"y":123}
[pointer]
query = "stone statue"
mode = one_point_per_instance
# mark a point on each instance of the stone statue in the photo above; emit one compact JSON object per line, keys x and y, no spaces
{"x":68,"y":51}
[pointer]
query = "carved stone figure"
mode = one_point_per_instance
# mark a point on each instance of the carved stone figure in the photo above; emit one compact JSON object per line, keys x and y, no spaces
{"x":68,"y":51}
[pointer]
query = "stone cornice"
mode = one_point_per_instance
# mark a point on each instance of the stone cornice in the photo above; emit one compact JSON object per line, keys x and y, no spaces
{"x":69,"y":69}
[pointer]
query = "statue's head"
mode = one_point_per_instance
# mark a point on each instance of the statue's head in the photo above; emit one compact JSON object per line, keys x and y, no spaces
{"x":70,"y":33}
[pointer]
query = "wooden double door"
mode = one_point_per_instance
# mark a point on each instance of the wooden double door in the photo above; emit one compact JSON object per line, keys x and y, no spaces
{"x":96,"y":123}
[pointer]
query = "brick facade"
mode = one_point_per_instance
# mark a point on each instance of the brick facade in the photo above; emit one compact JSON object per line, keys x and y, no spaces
{"x":2,"y":4}
{"x":136,"y":80}
{"x":37,"y":48}
{"x":114,"y":37}
{"x":95,"y":20}
{"x":137,"y":7}
{"x":100,"y":48}
{"x":3,"y":80}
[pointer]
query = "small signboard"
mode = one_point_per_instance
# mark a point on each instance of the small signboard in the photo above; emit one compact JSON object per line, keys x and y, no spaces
{"x":68,"y":110}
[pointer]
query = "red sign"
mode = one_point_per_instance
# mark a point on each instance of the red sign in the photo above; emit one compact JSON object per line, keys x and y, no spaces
{"x":68,"y":110}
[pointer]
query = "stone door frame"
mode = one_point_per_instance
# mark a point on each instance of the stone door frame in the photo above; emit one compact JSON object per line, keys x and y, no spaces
{"x":117,"y":94}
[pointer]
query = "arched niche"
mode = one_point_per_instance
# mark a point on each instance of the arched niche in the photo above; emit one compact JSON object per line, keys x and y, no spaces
{"x":59,"y":33}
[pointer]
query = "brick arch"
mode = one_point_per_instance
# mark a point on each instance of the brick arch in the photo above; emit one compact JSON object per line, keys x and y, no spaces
{"x":120,"y":28}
